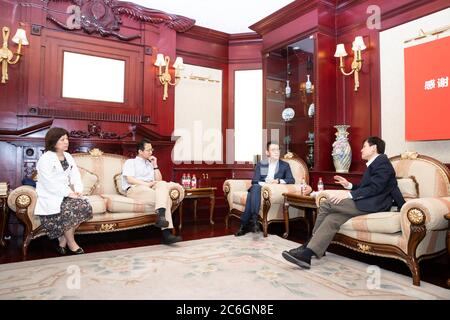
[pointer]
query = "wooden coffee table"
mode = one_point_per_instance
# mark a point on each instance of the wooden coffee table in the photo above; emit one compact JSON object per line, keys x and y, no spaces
{"x":307,"y":203}
{"x":195,"y":194}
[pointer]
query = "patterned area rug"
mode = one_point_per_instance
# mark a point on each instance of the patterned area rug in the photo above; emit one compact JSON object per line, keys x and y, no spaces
{"x":249,"y":267}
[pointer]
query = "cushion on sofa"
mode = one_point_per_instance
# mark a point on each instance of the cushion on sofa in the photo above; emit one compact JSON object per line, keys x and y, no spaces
{"x":89,"y":180}
{"x":119,"y":203}
{"x":408,"y":187}
{"x":118,"y":184}
{"x":98,"y":204}
{"x":379,"y":222}
{"x":239,"y":197}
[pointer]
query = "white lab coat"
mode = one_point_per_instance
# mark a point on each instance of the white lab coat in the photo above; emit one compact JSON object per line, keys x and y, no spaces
{"x":54,"y":183}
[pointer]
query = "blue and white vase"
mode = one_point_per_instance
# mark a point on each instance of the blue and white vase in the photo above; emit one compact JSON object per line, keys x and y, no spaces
{"x":342,"y":152}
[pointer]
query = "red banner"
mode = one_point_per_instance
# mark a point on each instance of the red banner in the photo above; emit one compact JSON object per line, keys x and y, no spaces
{"x":427,"y":92}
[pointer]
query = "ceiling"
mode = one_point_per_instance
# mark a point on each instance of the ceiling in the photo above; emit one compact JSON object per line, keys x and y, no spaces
{"x":231,"y":16}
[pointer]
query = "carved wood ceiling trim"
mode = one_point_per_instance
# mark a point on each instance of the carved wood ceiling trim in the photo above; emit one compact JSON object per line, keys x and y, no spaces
{"x":104,"y":17}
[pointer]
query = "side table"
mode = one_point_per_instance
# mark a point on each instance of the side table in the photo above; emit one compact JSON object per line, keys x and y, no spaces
{"x":4,"y":217}
{"x":307,"y":203}
{"x":195,"y":194}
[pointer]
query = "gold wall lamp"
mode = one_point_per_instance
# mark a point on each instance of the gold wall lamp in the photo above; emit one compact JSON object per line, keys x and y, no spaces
{"x":6,"y":55}
{"x":164,"y":77}
{"x":357,"y":47}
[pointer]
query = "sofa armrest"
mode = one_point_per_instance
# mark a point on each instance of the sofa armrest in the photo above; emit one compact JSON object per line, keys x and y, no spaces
{"x":428,"y":211}
{"x":22,"y":201}
{"x":274,"y":192}
{"x":325,"y":195}
{"x":176,"y":192}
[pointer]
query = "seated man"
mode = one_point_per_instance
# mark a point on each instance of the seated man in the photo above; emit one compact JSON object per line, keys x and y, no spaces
{"x":142,"y":181}
{"x":272,"y":170}
{"x":376,"y":193}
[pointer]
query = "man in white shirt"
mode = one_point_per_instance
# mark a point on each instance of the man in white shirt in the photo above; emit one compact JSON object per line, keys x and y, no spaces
{"x":142,"y":181}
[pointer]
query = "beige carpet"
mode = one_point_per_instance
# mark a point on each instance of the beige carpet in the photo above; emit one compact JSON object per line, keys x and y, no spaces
{"x":249,"y":267}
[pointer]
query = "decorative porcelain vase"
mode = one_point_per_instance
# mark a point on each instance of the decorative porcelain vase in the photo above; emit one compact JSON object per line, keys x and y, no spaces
{"x":311,"y":110}
{"x":308,"y":85}
{"x":342,"y":152}
{"x":288,"y":90}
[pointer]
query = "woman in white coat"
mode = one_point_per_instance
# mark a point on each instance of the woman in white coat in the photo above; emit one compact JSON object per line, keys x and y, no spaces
{"x":60,"y":205}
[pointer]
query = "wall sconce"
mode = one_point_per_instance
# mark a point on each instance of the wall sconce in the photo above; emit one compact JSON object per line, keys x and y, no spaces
{"x":357,"y":47}
{"x":165,"y":77}
{"x":6,"y":55}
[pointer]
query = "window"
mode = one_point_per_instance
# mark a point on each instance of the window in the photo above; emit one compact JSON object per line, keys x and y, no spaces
{"x":247,"y":114}
{"x":198,"y":115}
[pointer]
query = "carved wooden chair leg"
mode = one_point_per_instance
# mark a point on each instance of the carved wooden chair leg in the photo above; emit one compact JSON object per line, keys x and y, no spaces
{"x":286,"y":220}
{"x":227,"y":217}
{"x":415,"y":271}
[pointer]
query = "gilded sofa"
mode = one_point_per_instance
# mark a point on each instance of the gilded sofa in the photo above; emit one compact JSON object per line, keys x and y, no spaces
{"x":272,"y":200}
{"x":112,"y":210}
{"x":415,"y":233}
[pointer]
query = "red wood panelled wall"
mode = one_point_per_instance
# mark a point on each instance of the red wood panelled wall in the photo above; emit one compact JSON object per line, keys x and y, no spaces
{"x":35,"y":82}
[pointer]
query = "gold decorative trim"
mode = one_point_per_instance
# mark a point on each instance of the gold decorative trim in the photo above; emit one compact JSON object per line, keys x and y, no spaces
{"x":266,"y":194}
{"x":322,"y":199}
{"x":108,"y":226}
{"x":226,"y":188}
{"x":410,"y":155}
{"x":288,"y":155}
{"x":23,"y":201}
{"x":96,"y":152}
{"x":364,"y":247}
{"x":174,"y":194}
{"x":416,"y":216}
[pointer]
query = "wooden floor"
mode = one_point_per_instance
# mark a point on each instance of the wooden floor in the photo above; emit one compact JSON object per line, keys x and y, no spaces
{"x":435,"y":271}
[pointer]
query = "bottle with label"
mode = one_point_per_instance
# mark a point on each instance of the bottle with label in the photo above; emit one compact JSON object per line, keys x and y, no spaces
{"x":183,"y":180}
{"x":320,"y":185}
{"x":308,"y":84}
{"x":188,"y":181}
{"x":194,"y":182}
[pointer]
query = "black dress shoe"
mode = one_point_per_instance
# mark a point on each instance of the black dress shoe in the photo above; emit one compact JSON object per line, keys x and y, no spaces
{"x":161,"y":221}
{"x":61,"y":250}
{"x":242,"y":230}
{"x":297,"y":258}
{"x":78,"y":251}
{"x":170,"y":239}
{"x":255,"y":227}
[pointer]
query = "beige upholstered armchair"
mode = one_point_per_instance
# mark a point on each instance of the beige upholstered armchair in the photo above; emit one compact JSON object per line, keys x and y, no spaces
{"x":272,"y":196}
{"x":419,"y":230}
{"x":112,"y":210}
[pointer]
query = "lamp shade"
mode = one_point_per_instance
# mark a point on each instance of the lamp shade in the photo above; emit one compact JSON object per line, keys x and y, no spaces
{"x":358,"y":44}
{"x":160,"y":62}
{"x":20,"y":36}
{"x":178,"y":64}
{"x":340,"y":50}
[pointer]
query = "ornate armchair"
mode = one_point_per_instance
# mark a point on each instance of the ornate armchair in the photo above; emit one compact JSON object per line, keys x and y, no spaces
{"x":419,"y":230}
{"x":112,"y":210}
{"x":272,"y":199}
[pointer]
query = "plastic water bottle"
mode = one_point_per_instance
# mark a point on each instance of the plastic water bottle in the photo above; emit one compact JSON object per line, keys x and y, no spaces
{"x":188,"y":181}
{"x":193,"y":182}
{"x":183,"y":180}
{"x":320,"y":185}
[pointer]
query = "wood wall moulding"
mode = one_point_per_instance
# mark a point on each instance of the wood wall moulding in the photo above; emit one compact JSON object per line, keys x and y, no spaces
{"x":288,"y":14}
{"x":208,"y":35}
{"x":55,"y":43}
{"x":353,"y":15}
{"x":105,"y":17}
